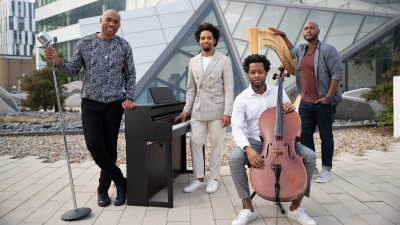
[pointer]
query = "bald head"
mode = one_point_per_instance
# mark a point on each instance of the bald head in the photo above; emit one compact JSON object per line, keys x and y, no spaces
{"x":112,"y":13}
{"x":311,"y":23}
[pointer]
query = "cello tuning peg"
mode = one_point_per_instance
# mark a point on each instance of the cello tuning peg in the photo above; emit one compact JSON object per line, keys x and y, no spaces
{"x":275,"y":76}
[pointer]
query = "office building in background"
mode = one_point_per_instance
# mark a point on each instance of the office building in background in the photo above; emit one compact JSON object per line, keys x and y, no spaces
{"x":17,"y":27}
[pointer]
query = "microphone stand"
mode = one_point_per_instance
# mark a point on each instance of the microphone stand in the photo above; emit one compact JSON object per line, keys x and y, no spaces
{"x":76,"y":213}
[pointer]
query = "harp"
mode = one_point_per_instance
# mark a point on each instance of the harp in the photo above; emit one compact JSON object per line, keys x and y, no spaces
{"x":262,"y":37}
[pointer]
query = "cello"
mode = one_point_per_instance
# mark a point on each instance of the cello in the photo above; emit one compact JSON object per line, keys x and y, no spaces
{"x":284,"y":176}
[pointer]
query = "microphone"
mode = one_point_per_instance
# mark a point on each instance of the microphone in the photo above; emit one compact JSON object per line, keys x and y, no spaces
{"x":76,"y":213}
{"x":44,"y":38}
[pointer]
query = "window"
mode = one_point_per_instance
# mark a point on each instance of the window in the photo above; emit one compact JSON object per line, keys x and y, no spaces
{"x":30,"y":10}
{"x":17,"y":49}
{"x":11,"y":23}
{"x":26,"y":37}
{"x":19,"y":9}
{"x":21,"y":23}
{"x":15,"y":36}
{"x":13,"y":8}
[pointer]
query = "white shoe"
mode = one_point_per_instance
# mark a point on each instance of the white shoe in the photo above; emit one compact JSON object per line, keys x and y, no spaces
{"x":245,"y":216}
{"x":324,"y":176}
{"x":212,"y":186}
{"x":315,"y":172}
{"x":194,"y":186}
{"x":301,"y":216}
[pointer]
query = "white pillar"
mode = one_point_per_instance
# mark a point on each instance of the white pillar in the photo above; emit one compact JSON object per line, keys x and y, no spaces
{"x":396,"y":106}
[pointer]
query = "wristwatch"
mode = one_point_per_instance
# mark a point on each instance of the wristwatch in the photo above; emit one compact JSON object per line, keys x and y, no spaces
{"x":283,"y":35}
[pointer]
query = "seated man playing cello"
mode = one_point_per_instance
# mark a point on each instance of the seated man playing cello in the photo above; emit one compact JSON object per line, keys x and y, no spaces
{"x":247,"y":108}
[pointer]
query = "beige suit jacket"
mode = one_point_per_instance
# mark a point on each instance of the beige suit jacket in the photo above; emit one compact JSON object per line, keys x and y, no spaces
{"x":209,"y":94}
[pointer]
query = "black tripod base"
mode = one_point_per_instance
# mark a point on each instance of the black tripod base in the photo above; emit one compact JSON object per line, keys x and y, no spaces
{"x":76,"y":214}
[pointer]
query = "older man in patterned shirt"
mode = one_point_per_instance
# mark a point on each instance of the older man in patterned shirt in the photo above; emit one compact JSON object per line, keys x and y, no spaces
{"x":109,"y":83}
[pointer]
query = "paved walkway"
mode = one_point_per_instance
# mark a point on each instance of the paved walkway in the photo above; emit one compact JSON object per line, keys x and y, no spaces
{"x":364,"y":190}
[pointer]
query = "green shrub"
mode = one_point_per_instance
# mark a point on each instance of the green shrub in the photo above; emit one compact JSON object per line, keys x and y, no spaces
{"x":383,"y":93}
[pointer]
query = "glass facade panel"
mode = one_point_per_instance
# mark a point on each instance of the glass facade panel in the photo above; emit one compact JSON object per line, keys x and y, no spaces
{"x":246,"y":53}
{"x":233,"y":13}
{"x":240,"y":46}
{"x":373,"y":50}
{"x":395,"y":4}
{"x":21,"y":23}
{"x":343,"y":30}
{"x":40,"y":3}
{"x":271,"y":17}
{"x":249,"y":18}
{"x":19,"y":9}
{"x":174,"y":70}
{"x":390,"y":42}
{"x":363,"y":73}
{"x":13,"y":8}
{"x":291,"y":26}
{"x":72,"y":16}
{"x":11,"y":23}
{"x":370,"y":23}
{"x":324,"y":19}
{"x":223,"y":4}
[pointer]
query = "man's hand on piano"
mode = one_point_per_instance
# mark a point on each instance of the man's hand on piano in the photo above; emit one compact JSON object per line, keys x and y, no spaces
{"x":128,"y":105}
{"x":181,"y":117}
{"x":226,"y":121}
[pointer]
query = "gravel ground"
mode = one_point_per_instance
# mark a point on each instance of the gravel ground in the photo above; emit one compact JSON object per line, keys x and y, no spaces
{"x":51,"y":148}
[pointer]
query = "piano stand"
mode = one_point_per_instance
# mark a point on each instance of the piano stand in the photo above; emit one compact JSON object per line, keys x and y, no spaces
{"x":150,"y":166}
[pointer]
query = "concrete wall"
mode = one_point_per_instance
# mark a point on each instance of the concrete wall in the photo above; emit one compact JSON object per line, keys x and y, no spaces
{"x":15,"y":69}
{"x":396,"y":105}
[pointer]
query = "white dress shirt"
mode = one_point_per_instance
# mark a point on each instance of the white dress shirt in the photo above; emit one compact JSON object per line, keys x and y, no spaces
{"x":247,"y":109}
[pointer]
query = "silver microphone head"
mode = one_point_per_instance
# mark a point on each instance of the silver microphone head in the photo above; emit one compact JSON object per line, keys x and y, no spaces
{"x":44,"y":38}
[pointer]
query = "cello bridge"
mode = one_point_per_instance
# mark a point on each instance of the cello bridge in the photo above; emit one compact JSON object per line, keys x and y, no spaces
{"x":277,"y":150}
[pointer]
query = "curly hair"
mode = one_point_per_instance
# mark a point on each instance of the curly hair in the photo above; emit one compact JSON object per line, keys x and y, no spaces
{"x":207,"y":26}
{"x":254,"y":59}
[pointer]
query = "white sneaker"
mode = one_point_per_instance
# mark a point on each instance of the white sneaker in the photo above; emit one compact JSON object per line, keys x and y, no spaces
{"x":245,"y":216}
{"x":212,"y":186}
{"x":315,"y":172}
{"x":301,"y":216}
{"x":194,"y":186}
{"x":324,"y":176}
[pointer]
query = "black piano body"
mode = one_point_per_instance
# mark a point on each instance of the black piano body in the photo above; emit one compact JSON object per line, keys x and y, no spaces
{"x":150,"y":166}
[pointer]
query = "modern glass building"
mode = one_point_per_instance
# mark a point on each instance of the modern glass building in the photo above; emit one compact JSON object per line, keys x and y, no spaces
{"x":17,"y":27}
{"x":60,"y":18}
{"x":365,"y":34}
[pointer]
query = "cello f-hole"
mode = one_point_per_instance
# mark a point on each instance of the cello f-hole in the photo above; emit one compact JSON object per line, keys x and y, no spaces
{"x":288,"y":146}
{"x":268,"y":149}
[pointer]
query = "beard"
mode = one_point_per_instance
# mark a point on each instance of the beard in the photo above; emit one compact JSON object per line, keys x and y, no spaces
{"x":258,"y":87}
{"x":311,"y":38}
{"x":206,"y":49}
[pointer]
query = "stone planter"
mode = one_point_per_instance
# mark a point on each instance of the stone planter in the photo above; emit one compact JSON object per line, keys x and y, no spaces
{"x":396,"y":106}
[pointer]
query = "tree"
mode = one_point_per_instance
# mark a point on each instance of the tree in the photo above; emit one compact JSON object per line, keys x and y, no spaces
{"x":40,"y":87}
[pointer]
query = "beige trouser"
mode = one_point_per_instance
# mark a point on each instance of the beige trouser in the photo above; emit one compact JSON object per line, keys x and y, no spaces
{"x":198,"y":138}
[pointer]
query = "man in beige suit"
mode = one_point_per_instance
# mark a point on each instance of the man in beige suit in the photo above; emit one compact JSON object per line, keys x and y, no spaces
{"x":209,"y":102}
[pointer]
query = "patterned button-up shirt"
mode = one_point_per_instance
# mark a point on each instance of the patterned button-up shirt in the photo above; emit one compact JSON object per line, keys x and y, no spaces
{"x":108,"y":68}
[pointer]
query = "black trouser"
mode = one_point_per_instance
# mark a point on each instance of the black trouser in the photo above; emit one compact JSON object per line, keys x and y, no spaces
{"x":100,"y":122}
